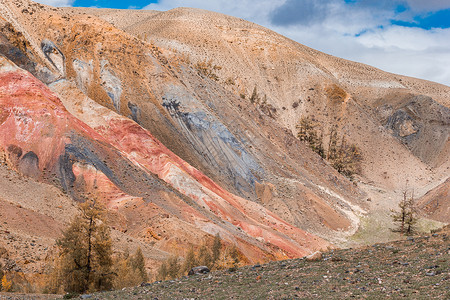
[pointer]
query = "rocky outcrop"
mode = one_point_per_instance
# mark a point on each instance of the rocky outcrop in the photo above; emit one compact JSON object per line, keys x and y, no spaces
{"x":420,"y":123}
{"x":198,"y":270}
{"x":44,"y":141}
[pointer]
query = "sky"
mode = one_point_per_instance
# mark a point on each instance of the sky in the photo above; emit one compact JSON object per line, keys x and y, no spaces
{"x":408,"y":37}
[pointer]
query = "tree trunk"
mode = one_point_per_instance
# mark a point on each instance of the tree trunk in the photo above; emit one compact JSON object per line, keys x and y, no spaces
{"x":88,"y":267}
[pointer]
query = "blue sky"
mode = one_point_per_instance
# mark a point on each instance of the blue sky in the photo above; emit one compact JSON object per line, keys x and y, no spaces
{"x":137,"y":4}
{"x":435,"y":19}
{"x":410,"y":37}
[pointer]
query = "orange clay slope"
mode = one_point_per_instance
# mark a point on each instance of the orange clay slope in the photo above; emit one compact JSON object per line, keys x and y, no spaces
{"x":42,"y":139}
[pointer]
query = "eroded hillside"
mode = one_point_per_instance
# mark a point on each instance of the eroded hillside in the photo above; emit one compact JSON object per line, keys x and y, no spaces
{"x":151,"y":111}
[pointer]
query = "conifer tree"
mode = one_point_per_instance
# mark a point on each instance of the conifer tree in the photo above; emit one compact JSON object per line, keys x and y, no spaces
{"x":264,"y":101}
{"x":129,"y":269}
{"x":332,"y":144}
{"x":304,"y":127}
{"x":319,"y":147}
{"x":405,"y":218}
{"x":138,"y":265}
{"x":400,"y":216}
{"x":216,"y":248}
{"x":411,"y":219}
{"x":307,"y":132}
{"x":163,"y":271}
{"x":254,"y":98}
{"x":204,"y":257}
{"x":173,"y":267}
{"x":124,"y":274}
{"x":190,"y":261}
{"x":86,"y":251}
{"x":235,"y":256}
{"x":347,"y":159}
{"x":1,"y":274}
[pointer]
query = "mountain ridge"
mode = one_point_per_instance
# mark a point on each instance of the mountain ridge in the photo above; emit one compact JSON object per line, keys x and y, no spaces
{"x":173,"y":145}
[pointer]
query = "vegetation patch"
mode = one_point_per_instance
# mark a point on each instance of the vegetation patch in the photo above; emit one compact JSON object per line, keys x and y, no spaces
{"x":215,"y":256}
{"x":336,"y":93}
{"x":261,"y":102}
{"x":344,"y":157}
{"x":207,"y":69}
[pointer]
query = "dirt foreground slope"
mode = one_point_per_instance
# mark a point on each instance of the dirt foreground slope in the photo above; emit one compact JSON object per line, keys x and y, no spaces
{"x":414,"y":269}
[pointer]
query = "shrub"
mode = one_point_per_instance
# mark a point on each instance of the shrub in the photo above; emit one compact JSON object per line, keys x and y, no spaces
{"x":229,"y":81}
{"x":336,"y":93}
{"x":207,"y":69}
{"x":6,"y":285}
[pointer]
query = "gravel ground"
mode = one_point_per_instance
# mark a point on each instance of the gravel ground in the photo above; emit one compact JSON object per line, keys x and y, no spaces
{"x":415,"y":268}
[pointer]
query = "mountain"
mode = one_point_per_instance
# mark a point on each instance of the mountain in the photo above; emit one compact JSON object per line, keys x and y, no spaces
{"x":184,"y":124}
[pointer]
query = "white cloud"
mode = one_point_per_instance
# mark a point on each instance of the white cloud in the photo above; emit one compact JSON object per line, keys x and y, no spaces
{"x":406,"y":38}
{"x":57,"y":3}
{"x":411,"y":51}
{"x":412,"y":63}
{"x":428,"y":5}
{"x":401,"y":50}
